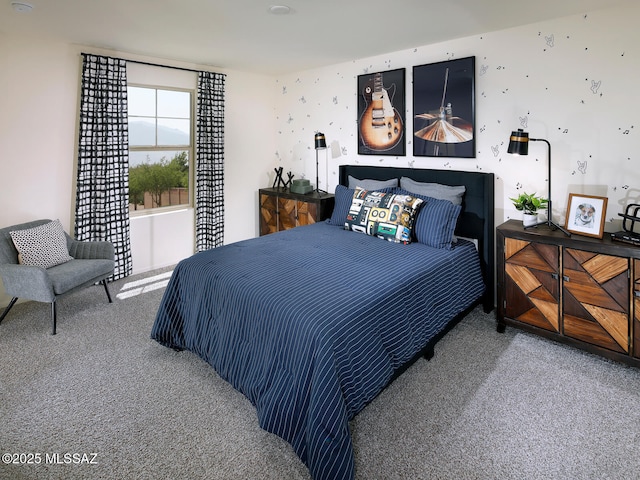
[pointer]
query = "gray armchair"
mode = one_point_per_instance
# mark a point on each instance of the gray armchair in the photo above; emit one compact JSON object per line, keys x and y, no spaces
{"x":92,"y":262}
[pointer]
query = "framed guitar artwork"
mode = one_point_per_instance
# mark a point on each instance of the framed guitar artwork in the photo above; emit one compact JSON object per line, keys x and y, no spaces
{"x":381,"y":113}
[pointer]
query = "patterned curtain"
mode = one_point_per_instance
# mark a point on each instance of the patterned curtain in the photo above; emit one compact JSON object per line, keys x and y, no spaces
{"x":210,"y":161}
{"x":102,"y":198}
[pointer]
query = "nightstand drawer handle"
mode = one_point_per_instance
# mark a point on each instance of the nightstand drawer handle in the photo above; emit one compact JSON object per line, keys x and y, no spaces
{"x":565,"y":278}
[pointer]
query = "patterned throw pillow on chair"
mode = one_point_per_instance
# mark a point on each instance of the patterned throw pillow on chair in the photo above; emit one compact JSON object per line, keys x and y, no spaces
{"x":42,"y":246}
{"x":384,"y":215}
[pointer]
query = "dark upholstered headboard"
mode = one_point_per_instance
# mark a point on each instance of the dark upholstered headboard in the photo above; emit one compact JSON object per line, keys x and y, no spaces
{"x":476,"y":219}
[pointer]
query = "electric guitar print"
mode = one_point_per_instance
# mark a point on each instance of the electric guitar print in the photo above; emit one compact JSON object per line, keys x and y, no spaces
{"x":381,"y":126}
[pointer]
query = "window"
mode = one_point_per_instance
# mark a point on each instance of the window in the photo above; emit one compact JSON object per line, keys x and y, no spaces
{"x":160,"y":148}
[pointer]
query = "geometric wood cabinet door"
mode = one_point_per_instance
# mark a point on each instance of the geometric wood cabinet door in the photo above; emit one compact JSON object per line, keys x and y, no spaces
{"x":596,"y":298}
{"x":532,"y":284}
{"x":268,"y":214}
{"x":636,"y":308}
{"x":294,"y":213}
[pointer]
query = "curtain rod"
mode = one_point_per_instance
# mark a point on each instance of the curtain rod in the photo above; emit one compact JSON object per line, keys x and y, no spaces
{"x":175,"y":68}
{"x":158,"y":65}
{"x":163,"y":66}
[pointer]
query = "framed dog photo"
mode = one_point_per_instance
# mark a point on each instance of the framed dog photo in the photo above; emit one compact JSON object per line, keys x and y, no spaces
{"x":586,"y":214}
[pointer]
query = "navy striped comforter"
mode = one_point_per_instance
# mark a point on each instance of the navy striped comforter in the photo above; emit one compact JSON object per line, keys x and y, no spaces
{"x":311,"y":323}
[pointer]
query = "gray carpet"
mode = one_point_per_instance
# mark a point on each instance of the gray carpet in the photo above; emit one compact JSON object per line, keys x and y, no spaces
{"x":488,"y":406}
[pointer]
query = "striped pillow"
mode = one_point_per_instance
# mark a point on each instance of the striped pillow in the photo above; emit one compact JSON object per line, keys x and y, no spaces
{"x":436,"y":221}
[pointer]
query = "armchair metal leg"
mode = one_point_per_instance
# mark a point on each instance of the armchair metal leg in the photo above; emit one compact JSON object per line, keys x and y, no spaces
{"x":53,"y":317}
{"x":106,"y":289}
{"x":6,"y":310}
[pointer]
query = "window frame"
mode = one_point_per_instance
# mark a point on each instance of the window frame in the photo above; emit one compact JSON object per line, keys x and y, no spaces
{"x":190,"y":148}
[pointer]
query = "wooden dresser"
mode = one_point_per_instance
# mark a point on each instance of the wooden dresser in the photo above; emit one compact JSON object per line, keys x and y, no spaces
{"x":578,"y":290}
{"x":280,"y":209}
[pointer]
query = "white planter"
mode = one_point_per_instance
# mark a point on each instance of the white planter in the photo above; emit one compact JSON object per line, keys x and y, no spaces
{"x":529,"y":219}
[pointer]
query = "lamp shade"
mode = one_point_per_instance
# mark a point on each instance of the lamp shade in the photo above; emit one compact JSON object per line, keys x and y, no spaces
{"x":519,"y":143}
{"x":320,"y":141}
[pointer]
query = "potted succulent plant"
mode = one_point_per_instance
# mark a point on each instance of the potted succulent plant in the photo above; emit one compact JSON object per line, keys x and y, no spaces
{"x":529,"y":204}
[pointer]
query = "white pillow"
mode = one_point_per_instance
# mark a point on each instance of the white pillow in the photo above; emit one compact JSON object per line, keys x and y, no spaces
{"x":42,"y":246}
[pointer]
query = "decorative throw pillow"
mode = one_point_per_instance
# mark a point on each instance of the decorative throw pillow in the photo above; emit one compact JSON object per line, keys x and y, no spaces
{"x":436,"y":221}
{"x":42,"y":246}
{"x":384,"y":215}
{"x":434,"y":190}
{"x":343,"y":199}
{"x":368,"y":184}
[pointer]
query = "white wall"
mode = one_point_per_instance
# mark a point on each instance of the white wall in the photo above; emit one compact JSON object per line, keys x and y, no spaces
{"x":571,"y":81}
{"x":38,"y":140}
{"x":38,"y":111}
{"x":249,"y":146}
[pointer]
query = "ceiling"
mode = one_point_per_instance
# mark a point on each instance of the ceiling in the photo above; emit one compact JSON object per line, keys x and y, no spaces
{"x":243,"y":35}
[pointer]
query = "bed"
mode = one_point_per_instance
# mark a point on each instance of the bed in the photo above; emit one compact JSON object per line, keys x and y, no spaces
{"x":310,"y":324}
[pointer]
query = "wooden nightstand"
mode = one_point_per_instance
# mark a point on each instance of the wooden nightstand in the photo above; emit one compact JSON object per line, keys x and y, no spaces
{"x":577,"y":290}
{"x":280,"y":209}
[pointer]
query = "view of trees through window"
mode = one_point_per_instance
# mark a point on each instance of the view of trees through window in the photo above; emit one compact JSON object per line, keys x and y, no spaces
{"x":159,"y":184}
{"x":160,"y":148}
